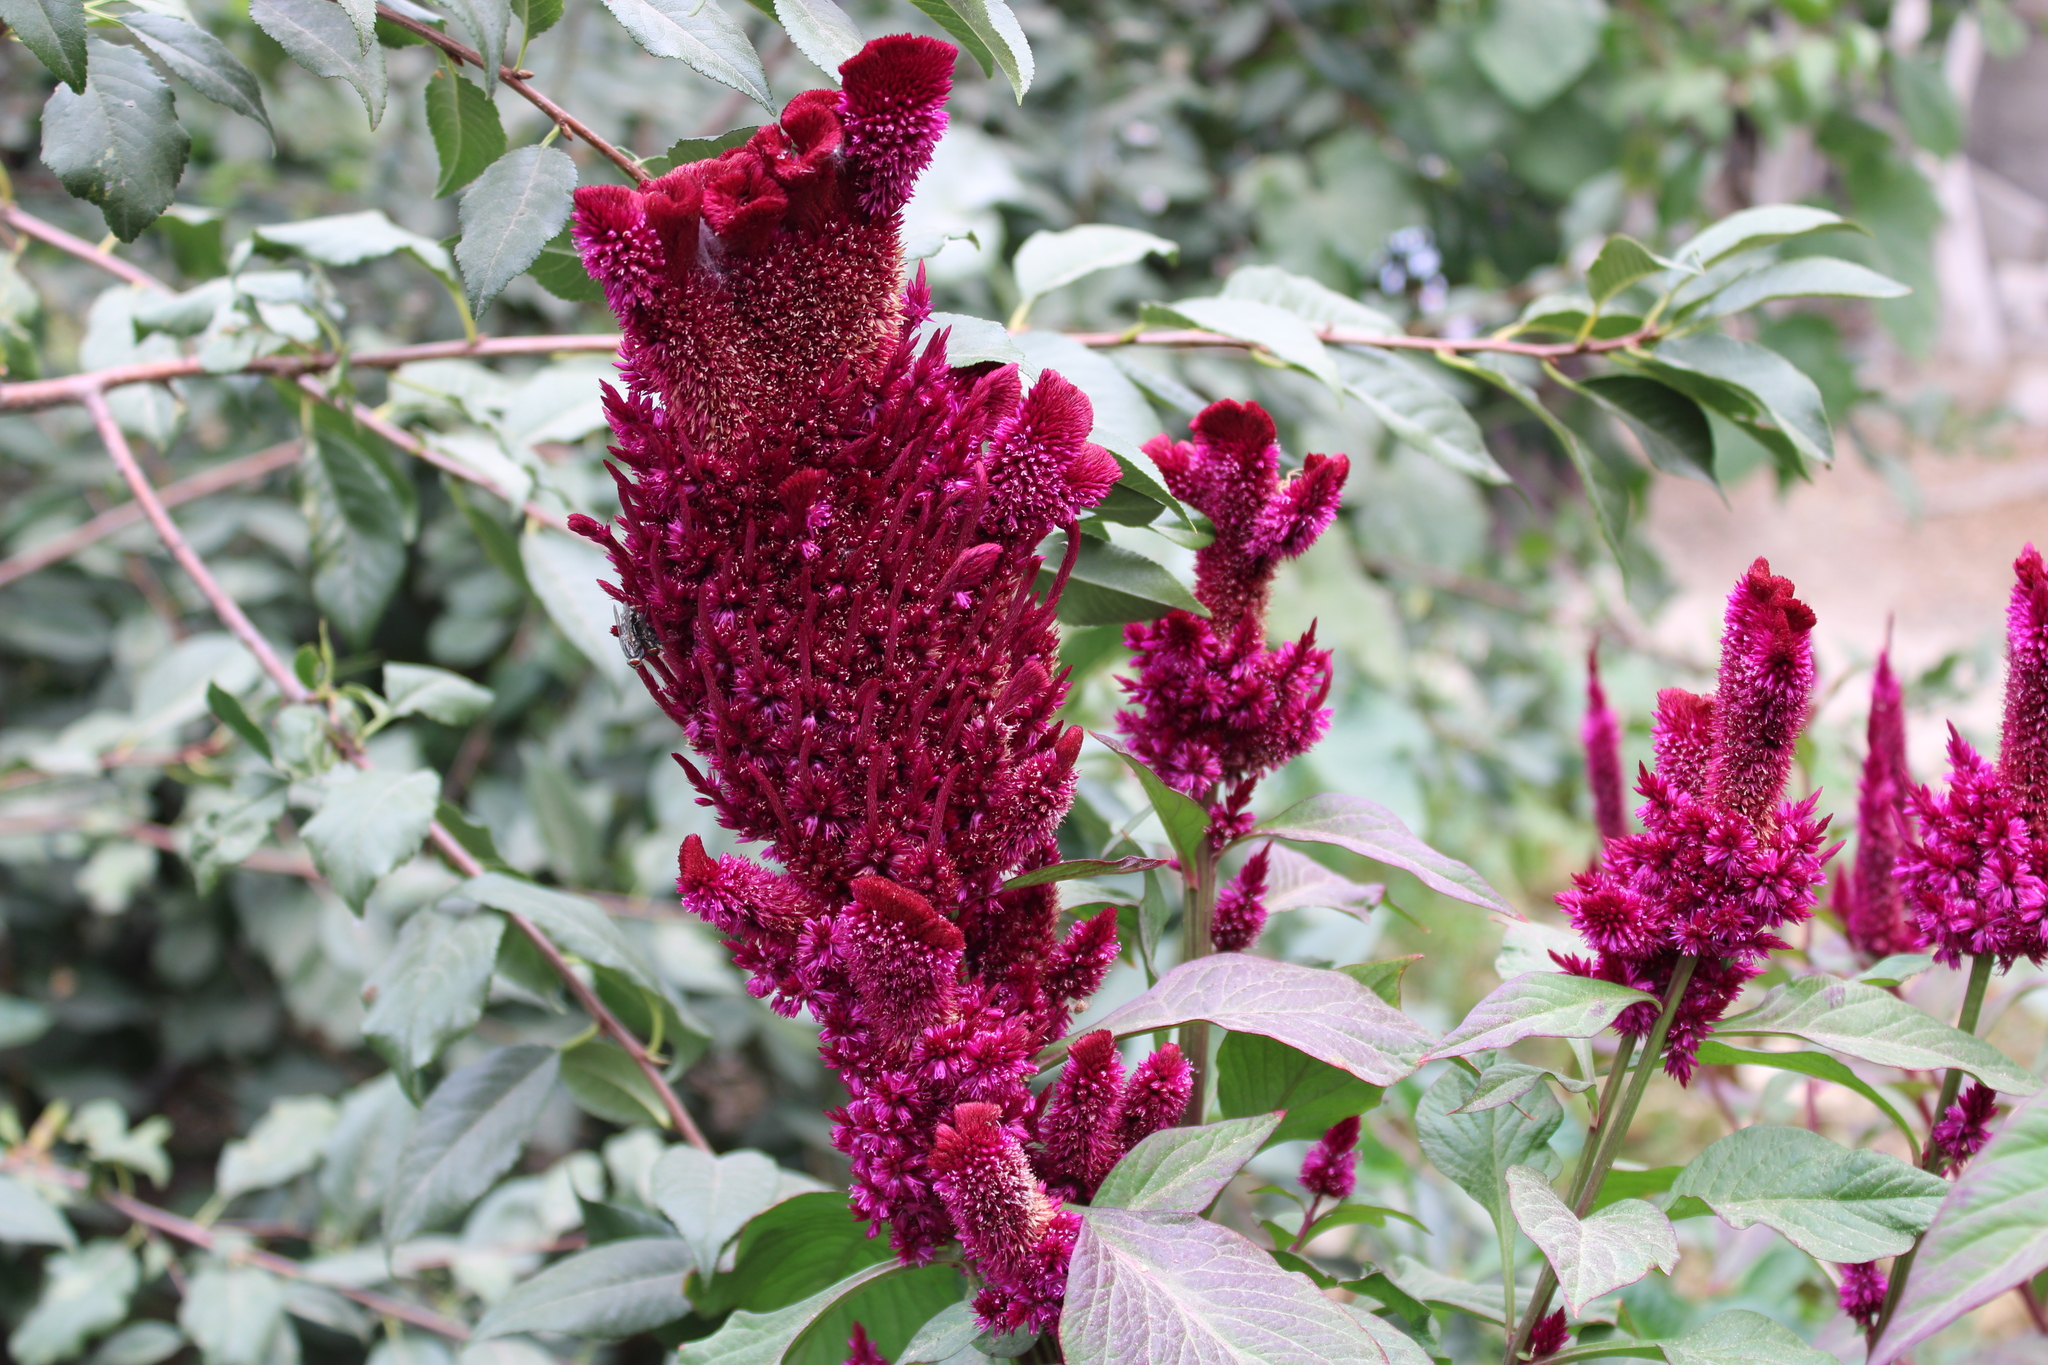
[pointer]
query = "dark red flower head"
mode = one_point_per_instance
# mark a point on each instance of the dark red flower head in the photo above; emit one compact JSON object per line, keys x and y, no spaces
{"x":1331,"y":1167}
{"x":1872,"y":905}
{"x":2023,"y":748}
{"x":1965,"y":1126}
{"x":1863,"y":1292}
{"x":1018,"y":1238}
{"x":1765,"y":689}
{"x":1973,"y":879}
{"x":1601,"y":734}
{"x":1550,"y":1336}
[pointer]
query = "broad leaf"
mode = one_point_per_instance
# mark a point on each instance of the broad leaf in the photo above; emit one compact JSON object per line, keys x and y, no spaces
{"x":1110,"y":585}
{"x":1742,"y":1338}
{"x":287,"y":1141}
{"x":1833,"y":1202}
{"x":484,"y":22}
{"x":1307,"y":299}
{"x":945,"y":1336}
{"x":145,"y":1342}
{"x":320,"y":37}
{"x":821,"y":31}
{"x":1295,"y":880}
{"x":766,"y":1338}
{"x":27,"y":1219}
{"x":1182,"y":1170}
{"x":85,"y":1292}
{"x":1815,"y":1064}
{"x":469,"y":1133}
{"x":361,"y":1154}
{"x":1804,"y":277}
{"x":969,"y":340}
{"x":1418,"y":413}
{"x":576,"y":926}
{"x":1532,"y":49}
{"x":790,"y":1252}
{"x":468,"y":134}
{"x":202,"y":61}
{"x":55,"y":31}
{"x":371,"y":821}
{"x":616,"y":1290}
{"x":1610,"y":500}
{"x":1476,"y":1149}
{"x":1328,"y":1015}
{"x":559,"y":270}
{"x":1895,"y":970}
{"x":1368,"y":828}
{"x":1870,"y":1024}
{"x":1187,"y":824}
{"x":1621,"y":262}
{"x":1256,"y":1075}
{"x":1603,"y":1252}
{"x":1750,"y":229}
{"x":346,"y":239}
{"x":117,"y":143}
{"x":1048,"y":260}
{"x":357,"y":512}
{"x":1674,"y":432}
{"x":437,"y":694}
{"x":235,"y":1315}
{"x":508,"y":215}
{"x":1284,"y":335}
{"x":1082,"y":867}
{"x":1539,"y":1005}
{"x":710,"y":1198}
{"x":1504,"y":1081}
{"x":991,"y":30}
{"x":1172,"y":1286}
{"x":1990,"y":1233}
{"x":702,"y":36}
{"x":565,"y":572}
{"x":1429,"y":1285}
{"x":430,"y":990}
{"x":1773,"y":398}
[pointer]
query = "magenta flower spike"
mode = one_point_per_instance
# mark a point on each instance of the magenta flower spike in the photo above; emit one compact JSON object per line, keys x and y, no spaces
{"x":1721,"y":862}
{"x":1156,"y":1096}
{"x":1872,"y":905}
{"x":1018,"y":1237}
{"x":1965,"y":1126}
{"x":1601,"y":734}
{"x":1081,"y":1121}
{"x":1330,"y":1169}
{"x":1241,"y":908}
{"x":860,"y":1350}
{"x":2023,"y":746}
{"x":1863,"y":1292}
{"x":1972,"y":879}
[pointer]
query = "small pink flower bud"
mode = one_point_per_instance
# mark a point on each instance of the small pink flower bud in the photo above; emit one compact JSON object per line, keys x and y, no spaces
{"x":1331,"y":1167}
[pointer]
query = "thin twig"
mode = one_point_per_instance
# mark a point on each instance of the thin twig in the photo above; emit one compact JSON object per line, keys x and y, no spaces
{"x":570,"y":125}
{"x":247,"y":469}
{"x":1359,"y":336}
{"x":50,"y":234}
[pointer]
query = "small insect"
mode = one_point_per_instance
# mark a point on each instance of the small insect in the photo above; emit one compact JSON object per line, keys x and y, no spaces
{"x":636,"y":635}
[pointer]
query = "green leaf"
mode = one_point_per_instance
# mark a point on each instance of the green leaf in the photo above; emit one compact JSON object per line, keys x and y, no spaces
{"x":1799,"y":278}
{"x":1833,"y":1202}
{"x":320,"y":37}
{"x":1182,"y":1170}
{"x":1895,"y":970}
{"x":1370,"y":829}
{"x":468,"y":135}
{"x":22,"y":1021}
{"x":537,"y":16}
{"x":1929,"y":109}
{"x":1816,"y":1064}
{"x":1347,"y":1215}
{"x":357,"y":510}
{"x":692,"y":149}
{"x":117,"y":143}
{"x":372,"y":821}
{"x":1308,"y":299}
{"x":1110,"y":585}
{"x":948,"y":1334}
{"x":792,"y":1251}
{"x":27,"y":1219}
{"x":617,"y":1223}
{"x":508,"y":215}
{"x":565,"y":571}
{"x":1284,"y":335}
{"x":139,"y":1343}
{"x":203,"y":62}
{"x":1081,"y":867}
{"x":1752,"y":229}
{"x":1674,"y":433}
{"x":1755,"y":387}
{"x":287,"y":1142}
{"x":619,"y":1289}
{"x":1476,"y":1149}
{"x":821,"y":31}
{"x":1383,"y":978}
{"x":892,"y":1309}
{"x":228,"y":711}
{"x":701,"y":35}
{"x":437,"y":694}
{"x":346,"y":239}
{"x":103,"y":1127}
{"x":430,"y":990}
{"x":1532,"y":49}
{"x":1258,"y":1075}
{"x":1610,"y":502}
{"x":1599,"y":1254}
{"x":469,"y":1133}
{"x":995,"y":32}
{"x":1990,"y":1233}
{"x":1187,"y":824}
{"x":1539,"y":1005}
{"x":1503,"y":1081}
{"x":235,"y":1315}
{"x":710,"y":1198}
{"x":55,"y":31}
{"x":1621,"y":262}
{"x":604,"y":1080}
{"x":1863,"y":1021}
{"x":576,"y":926}
{"x":485,"y":23}
{"x":766,"y":1338}
{"x":1742,"y":1338}
{"x":957,"y":28}
{"x":1050,"y":260}
{"x":85,"y":1292}
{"x":1418,"y":413}
{"x":362,"y":1153}
{"x":1634,"y":1185}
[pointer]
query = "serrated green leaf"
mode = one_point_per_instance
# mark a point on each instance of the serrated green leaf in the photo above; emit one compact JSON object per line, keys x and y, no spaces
{"x":430,"y":989}
{"x":559,"y":270}
{"x":1182,"y":1170}
{"x":485,"y":23}
{"x":350,"y":239}
{"x":437,"y":694}
{"x":1598,"y":1254}
{"x":519,"y":202}
{"x":1284,"y":335}
{"x":791,"y":1251}
{"x":203,"y":61}
{"x":957,"y":29}
{"x":537,"y":16}
{"x":358,"y":508}
{"x":1833,"y":1202}
{"x":1307,"y":299}
{"x":229,"y":712}
{"x":117,"y":143}
{"x":1621,"y":262}
{"x":1049,"y":260}
{"x":576,"y":926}
{"x":468,"y":134}
{"x":1753,"y":386}
{"x":1673,"y":431}
{"x":234,"y":1315}
{"x":362,"y":1153}
{"x":1803,"y":277}
{"x":1752,"y":229}
{"x":619,"y":1289}
{"x":689,"y":150}
{"x":701,"y":35}
{"x":321,"y":37}
{"x":821,"y":31}
{"x":55,"y":31}
{"x":469,"y":1133}
{"x":605,"y":1081}
{"x":995,"y":32}
{"x":371,"y":821}
{"x":1418,"y":413}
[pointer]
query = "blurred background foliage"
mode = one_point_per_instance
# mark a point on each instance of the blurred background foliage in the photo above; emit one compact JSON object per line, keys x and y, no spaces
{"x":1441,"y":160}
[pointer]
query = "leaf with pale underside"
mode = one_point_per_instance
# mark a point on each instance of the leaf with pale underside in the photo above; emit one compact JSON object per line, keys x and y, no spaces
{"x":1539,"y":1005}
{"x":1870,"y":1024}
{"x":615,"y":1290}
{"x":1283,"y":335}
{"x":1370,"y":829}
{"x":702,"y":36}
{"x":370,"y":823}
{"x":710,"y":1198}
{"x":1295,"y":881}
{"x":1505,"y":1081}
{"x":1741,"y":1337}
{"x":1595,"y":1255}
{"x":1180,"y":1170}
{"x":1082,"y":867}
{"x":1989,"y":1234}
{"x":1476,"y":1149}
{"x":821,"y":31}
{"x":1328,"y":1015}
{"x":1048,"y":260}
{"x":1175,"y":1287}
{"x":1833,"y":1202}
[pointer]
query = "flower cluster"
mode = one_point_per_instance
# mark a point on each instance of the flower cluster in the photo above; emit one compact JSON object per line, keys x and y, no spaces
{"x":1863,"y":1292}
{"x":1869,"y":899}
{"x":1976,"y":879}
{"x":1601,"y":734}
{"x":1330,"y":1170}
{"x":1965,"y":1126}
{"x":1550,"y":1337}
{"x":828,"y":535}
{"x":1721,"y":862}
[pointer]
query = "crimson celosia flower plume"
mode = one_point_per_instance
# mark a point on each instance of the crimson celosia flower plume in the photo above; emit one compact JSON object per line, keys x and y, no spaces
{"x":830,"y":535}
{"x":1601,"y":734}
{"x":1550,"y":1337}
{"x":2023,"y":746}
{"x":1870,"y":900}
{"x":1863,"y":1292}
{"x":1720,"y":862}
{"x":1330,"y":1170}
{"x":1965,"y":1126}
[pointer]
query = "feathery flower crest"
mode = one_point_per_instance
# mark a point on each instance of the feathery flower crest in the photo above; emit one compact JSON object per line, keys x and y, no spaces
{"x":1081,"y":1118}
{"x":1331,"y":1167}
{"x":861,"y":1351}
{"x":1018,"y":1237}
{"x":1241,"y":907}
{"x":1872,"y":905}
{"x":2023,"y":744}
{"x":1550,"y":1337}
{"x":1156,"y":1096}
{"x":1971,"y":879}
{"x":1601,"y":734}
{"x":1965,"y":1126}
{"x":1863,"y":1292}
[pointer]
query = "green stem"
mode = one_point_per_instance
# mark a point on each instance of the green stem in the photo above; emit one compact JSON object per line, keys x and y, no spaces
{"x":1200,"y":910}
{"x":1931,"y":1159}
{"x":1613,"y":1128}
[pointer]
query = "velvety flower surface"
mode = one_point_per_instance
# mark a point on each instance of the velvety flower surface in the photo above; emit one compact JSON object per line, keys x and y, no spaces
{"x":1550,"y":1336}
{"x":2023,"y":744}
{"x":1871,"y":902}
{"x":1863,"y":1292}
{"x":1721,"y":861}
{"x":831,"y":535}
{"x":1965,"y":1126}
{"x":1241,"y":908}
{"x":861,"y":1351}
{"x":1331,"y":1167}
{"x":1601,"y":734}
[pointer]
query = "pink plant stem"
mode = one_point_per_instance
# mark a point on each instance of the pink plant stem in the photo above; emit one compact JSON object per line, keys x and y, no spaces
{"x":50,"y":234}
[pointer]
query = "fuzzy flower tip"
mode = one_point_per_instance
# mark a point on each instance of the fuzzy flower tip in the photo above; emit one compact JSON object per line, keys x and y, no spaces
{"x":1550,"y":1336}
{"x":860,"y":1350}
{"x":1720,"y":864}
{"x":1966,"y":1125}
{"x":1872,"y":906}
{"x":1241,"y":908}
{"x":1972,"y":879}
{"x":1863,"y":1292}
{"x":1601,"y":735}
{"x":2023,"y":746}
{"x":827,"y":556}
{"x":1331,"y":1167}
{"x":1017,"y":1236}
{"x":1214,"y":703}
{"x":1157,"y":1095}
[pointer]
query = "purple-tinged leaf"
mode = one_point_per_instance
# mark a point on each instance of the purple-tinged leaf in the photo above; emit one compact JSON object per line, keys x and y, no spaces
{"x":1539,"y":1005}
{"x":1175,"y":1287}
{"x":1476,"y":1149}
{"x":1834,"y":1203}
{"x":1595,"y":1255}
{"x":1368,"y":828}
{"x":1989,"y":1234}
{"x":1504,"y":1082}
{"x":1295,"y":880}
{"x":1181,"y":1170}
{"x":1740,"y":1337}
{"x":1329,"y":1015}
{"x":1081,"y":867}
